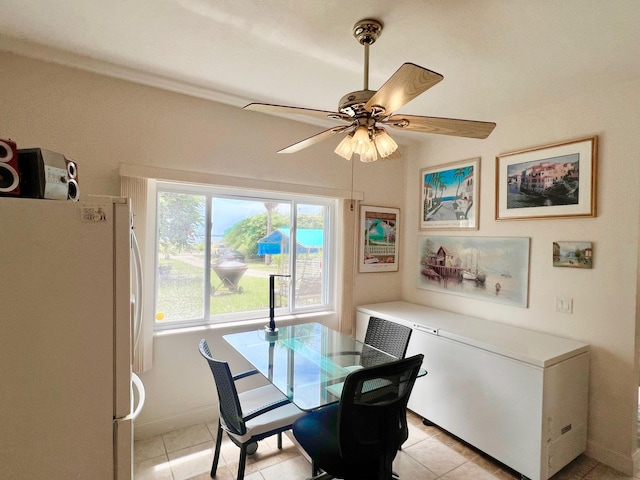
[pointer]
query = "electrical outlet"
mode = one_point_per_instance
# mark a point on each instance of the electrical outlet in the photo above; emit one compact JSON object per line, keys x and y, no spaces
{"x":564,"y":304}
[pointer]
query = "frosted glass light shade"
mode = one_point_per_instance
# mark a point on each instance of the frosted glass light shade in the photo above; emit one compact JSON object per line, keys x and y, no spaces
{"x":361,"y":140}
{"x":345,"y":147}
{"x":384,"y":143}
{"x":370,"y":154}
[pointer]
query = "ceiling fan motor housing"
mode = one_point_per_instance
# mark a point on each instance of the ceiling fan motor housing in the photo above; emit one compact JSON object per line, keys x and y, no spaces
{"x":353,"y":103}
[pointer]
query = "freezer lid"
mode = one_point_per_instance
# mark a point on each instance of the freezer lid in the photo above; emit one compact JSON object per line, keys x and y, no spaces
{"x":534,"y":348}
{"x":529,"y":346}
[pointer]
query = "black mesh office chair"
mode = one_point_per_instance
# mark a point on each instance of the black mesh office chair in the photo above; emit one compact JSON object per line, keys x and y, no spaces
{"x":359,"y":437}
{"x":249,"y":416}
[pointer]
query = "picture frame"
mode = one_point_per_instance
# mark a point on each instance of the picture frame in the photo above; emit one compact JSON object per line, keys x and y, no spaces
{"x":494,"y":269}
{"x":573,"y":254}
{"x":450,"y":196}
{"x":379,"y":241}
{"x":553,"y":181}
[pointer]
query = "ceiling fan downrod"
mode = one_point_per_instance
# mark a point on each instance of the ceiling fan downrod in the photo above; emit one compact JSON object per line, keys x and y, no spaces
{"x":367,"y":32}
{"x":352,"y":104}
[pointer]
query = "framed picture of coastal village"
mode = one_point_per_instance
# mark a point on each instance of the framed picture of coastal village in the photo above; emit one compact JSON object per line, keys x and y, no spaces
{"x":555,"y":181}
{"x":494,"y":269}
{"x":450,"y":196}
{"x":379,"y":227}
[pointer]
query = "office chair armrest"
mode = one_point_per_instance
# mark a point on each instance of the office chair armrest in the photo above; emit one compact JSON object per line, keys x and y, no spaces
{"x":266,"y":408}
{"x":242,"y":375}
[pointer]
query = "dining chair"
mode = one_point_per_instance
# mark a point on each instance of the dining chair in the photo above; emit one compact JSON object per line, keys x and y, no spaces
{"x":249,"y":416}
{"x":360,"y":436}
{"x":390,"y":337}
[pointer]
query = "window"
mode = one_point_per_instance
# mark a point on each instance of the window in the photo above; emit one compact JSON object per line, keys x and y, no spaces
{"x":216,"y":249}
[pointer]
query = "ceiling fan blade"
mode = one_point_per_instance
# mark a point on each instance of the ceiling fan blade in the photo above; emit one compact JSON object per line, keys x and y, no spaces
{"x":317,"y":138}
{"x":441,"y":126}
{"x":407,"y":83}
{"x":284,"y":110}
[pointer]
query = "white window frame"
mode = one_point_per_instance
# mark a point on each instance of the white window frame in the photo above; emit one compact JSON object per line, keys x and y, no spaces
{"x":330,"y":270}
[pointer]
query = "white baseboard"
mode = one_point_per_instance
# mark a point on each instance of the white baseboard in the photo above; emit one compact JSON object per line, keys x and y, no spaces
{"x":174,"y":422}
{"x":616,"y":460}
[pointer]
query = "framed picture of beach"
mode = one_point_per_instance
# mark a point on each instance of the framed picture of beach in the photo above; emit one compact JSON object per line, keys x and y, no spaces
{"x":379,"y":228}
{"x":555,"y":181}
{"x":495,"y":269}
{"x":450,"y":196}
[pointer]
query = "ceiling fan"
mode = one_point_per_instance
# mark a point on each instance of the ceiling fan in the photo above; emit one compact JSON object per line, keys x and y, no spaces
{"x":366,"y":112}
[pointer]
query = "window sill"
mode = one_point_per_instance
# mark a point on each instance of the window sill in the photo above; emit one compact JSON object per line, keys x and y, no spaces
{"x":328,"y":317}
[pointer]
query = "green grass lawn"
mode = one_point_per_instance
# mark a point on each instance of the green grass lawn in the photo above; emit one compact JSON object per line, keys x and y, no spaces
{"x":181,"y":291}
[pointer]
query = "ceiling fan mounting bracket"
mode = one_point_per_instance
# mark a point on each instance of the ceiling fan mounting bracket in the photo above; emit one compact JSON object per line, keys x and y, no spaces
{"x":367,"y":31}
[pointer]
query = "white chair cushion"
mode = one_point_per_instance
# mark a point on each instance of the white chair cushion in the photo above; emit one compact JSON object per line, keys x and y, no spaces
{"x":277,"y":418}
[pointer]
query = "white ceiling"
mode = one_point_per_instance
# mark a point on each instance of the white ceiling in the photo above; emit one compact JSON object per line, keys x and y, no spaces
{"x":498,"y":57}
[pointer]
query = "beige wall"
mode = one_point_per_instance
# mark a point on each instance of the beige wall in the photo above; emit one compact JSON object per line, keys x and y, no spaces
{"x":101,"y":122}
{"x":604,"y":298}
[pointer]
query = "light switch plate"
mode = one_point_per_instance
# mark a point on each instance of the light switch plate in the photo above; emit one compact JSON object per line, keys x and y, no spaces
{"x":564,"y":304}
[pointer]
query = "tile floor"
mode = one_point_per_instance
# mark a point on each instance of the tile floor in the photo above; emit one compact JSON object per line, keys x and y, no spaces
{"x":428,"y":454}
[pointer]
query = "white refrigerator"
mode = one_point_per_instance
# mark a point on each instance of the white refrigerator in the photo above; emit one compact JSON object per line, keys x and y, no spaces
{"x":66,"y":339}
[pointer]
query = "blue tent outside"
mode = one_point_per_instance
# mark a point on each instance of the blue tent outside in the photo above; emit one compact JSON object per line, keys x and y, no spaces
{"x":309,"y":240}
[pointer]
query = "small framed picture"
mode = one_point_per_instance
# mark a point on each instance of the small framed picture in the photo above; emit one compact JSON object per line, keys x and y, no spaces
{"x":555,"y":181}
{"x":450,"y":196}
{"x":573,"y":254}
{"x":379,"y":228}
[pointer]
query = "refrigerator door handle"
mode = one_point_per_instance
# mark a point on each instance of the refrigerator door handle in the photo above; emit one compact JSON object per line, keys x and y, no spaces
{"x":139,"y":386}
{"x":137,"y":317}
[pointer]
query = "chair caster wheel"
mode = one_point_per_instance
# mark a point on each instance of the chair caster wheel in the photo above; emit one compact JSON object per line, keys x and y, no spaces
{"x":252,"y":448}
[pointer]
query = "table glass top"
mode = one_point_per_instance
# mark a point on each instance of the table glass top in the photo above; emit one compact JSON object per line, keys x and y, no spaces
{"x":305,"y":360}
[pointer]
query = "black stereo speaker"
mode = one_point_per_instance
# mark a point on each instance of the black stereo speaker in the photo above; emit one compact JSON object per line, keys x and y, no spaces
{"x":43,"y":174}
{"x":9,"y":170}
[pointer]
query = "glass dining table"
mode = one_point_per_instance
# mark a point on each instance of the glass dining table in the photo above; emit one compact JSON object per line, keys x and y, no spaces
{"x":308,"y":362}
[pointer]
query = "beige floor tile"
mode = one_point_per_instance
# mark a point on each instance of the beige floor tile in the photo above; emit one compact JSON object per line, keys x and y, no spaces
{"x":508,"y":475}
{"x":147,"y":448}
{"x":292,"y":469}
{"x":186,"y":437}
{"x":436,"y":456}
{"x":417,"y":434}
{"x":469,"y":471}
{"x":603,"y":472}
{"x":489,"y":465}
{"x":456,"y":445}
{"x":577,"y":468}
{"x":191,"y":461}
{"x":408,"y":468}
{"x":253,"y":476}
{"x":157,"y":468}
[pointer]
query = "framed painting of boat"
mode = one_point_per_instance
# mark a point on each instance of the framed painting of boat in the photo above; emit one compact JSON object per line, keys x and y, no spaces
{"x":450,"y":196}
{"x":379,"y":228}
{"x":555,"y":181}
{"x":494,"y":269}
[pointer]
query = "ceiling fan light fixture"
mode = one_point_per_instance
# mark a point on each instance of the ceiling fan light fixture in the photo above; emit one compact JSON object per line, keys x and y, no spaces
{"x":345,"y":147}
{"x":370,"y":153}
{"x":361,"y":140}
{"x":384,"y":143}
